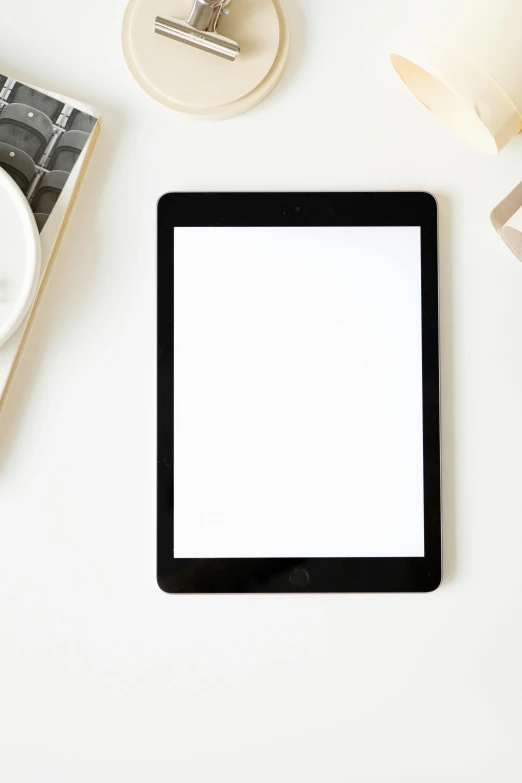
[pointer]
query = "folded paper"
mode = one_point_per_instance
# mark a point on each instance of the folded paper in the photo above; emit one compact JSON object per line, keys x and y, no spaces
{"x":507,"y":220}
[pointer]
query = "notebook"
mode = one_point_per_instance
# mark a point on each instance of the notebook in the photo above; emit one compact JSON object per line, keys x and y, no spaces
{"x":46,"y":141}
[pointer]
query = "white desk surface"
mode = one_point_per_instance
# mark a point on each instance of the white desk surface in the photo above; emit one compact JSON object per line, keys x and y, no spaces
{"x":103,"y":677}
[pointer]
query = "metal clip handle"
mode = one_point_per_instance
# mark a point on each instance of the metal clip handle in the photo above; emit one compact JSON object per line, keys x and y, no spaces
{"x":199,"y":29}
{"x":205,"y":14}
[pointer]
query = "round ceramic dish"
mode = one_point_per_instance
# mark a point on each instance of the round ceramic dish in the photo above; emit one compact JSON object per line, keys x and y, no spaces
{"x":196,"y":82}
{"x":20,"y":256}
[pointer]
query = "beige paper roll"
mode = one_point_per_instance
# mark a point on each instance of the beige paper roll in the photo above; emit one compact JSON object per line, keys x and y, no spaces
{"x":467,"y":69}
{"x":507,"y":220}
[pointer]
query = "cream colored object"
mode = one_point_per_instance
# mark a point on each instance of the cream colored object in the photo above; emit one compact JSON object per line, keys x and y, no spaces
{"x":468,"y":69}
{"x":198,"y":83}
{"x":507,"y":220}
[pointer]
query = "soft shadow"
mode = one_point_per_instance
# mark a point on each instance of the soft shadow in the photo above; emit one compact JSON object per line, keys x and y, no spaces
{"x":447,"y":372}
{"x":76,"y":264}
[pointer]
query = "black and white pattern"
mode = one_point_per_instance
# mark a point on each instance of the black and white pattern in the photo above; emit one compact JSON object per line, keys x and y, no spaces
{"x":41,"y":139}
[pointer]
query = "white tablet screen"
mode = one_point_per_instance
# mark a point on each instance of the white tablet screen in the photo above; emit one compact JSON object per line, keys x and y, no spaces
{"x":297,"y":392}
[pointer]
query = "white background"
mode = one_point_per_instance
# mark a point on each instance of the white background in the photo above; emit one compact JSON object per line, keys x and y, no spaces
{"x":103,"y":677}
{"x":298,"y":392}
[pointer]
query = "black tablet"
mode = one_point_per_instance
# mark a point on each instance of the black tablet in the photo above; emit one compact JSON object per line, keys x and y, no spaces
{"x":298,"y":393}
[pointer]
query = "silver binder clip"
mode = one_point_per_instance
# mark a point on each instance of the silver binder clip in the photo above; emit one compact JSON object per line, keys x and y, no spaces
{"x":199,"y":29}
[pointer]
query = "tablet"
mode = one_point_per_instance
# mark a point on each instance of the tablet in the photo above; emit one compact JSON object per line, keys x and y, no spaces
{"x":298,"y":393}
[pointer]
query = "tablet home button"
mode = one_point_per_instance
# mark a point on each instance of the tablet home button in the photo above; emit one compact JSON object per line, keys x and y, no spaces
{"x":299,"y":577}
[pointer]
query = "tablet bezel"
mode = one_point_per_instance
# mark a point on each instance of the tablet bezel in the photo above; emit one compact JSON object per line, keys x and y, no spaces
{"x":343,"y":574}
